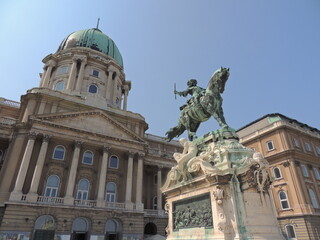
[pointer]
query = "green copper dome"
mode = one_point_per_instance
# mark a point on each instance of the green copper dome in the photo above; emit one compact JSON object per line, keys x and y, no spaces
{"x":94,"y":39}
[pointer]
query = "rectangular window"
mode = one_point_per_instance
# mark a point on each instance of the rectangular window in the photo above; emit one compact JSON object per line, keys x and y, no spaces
{"x":296,"y":142}
{"x":316,"y":173}
{"x":270,"y":145}
{"x":95,"y":73}
{"x":63,"y":70}
{"x":318,"y":150}
{"x":308,"y":147}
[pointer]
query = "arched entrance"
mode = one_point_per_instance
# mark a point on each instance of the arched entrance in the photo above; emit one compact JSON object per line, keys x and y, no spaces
{"x":80,"y":228}
{"x":150,"y":229}
{"x":44,"y":228}
{"x":113,"y":229}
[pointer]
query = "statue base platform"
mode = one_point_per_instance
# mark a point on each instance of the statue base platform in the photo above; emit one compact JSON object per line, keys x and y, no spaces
{"x":220,"y":193}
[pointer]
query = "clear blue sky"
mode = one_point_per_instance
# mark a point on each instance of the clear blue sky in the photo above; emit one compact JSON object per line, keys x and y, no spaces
{"x":272,"y":48}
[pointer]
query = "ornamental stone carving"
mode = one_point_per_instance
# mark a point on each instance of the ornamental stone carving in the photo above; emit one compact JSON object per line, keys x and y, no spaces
{"x":218,"y":194}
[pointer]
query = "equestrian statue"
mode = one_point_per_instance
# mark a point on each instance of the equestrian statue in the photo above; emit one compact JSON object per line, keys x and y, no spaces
{"x":203,"y":104}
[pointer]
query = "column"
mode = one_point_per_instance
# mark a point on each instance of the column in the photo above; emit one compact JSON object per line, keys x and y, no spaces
{"x":159,"y":193}
{"x":32,"y":195}
{"x":115,"y":91}
{"x":102,"y":177}
{"x":139,"y":180}
{"x":43,"y":76}
{"x":17,"y":191}
{"x":47,"y":76}
{"x":68,"y":200}
{"x":42,"y":107}
{"x":125,"y":100}
{"x":72,"y":75}
{"x":81,"y":73}
{"x":108,"y":86}
{"x":129,"y":178}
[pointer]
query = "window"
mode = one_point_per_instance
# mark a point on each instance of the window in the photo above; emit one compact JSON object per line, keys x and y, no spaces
{"x":93,"y":89}
{"x":95,"y":73}
{"x":154,"y":203}
{"x":305,"y":171}
{"x":58,"y":153}
{"x":80,"y":224}
{"x":52,"y":186}
{"x":87,"y":157}
{"x":155,"y":179}
{"x":291,"y":234}
{"x":59,"y":86}
{"x":117,"y":100}
{"x":318,"y":150}
{"x":111,"y":194}
{"x":270,"y":145}
{"x":313,"y":198}
{"x":277,"y":173}
{"x":308,"y":147}
{"x":63,"y":69}
{"x":316,"y":173}
{"x":114,"y":162}
{"x":1,"y":155}
{"x":83,"y":189}
{"x":283,"y":200}
{"x":296,"y":142}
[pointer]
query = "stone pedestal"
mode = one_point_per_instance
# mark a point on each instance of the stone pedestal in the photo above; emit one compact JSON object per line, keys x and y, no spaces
{"x":221,"y":193}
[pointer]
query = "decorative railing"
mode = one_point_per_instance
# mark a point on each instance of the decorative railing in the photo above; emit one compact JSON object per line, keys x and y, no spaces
{"x":7,"y":121}
{"x":9,"y":103}
{"x":115,"y":205}
{"x":85,"y":203}
{"x":50,"y":200}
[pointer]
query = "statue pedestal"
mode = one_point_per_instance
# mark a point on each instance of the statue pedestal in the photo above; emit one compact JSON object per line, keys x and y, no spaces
{"x":222,"y":193}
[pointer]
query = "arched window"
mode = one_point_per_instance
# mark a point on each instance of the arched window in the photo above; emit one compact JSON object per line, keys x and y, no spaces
{"x":150,"y":229}
{"x":155,"y":203}
{"x":283,"y":200}
{"x":305,"y":171}
{"x":316,"y":173}
{"x":93,"y":88}
{"x":291,"y":233}
{"x":44,"y":222}
{"x":83,"y":189}
{"x":87,"y":157}
{"x":80,"y":225}
{"x":277,"y":173}
{"x":313,"y":198}
{"x":58,"y":153}
{"x":113,"y":229}
{"x":59,"y":86}
{"x":52,"y":186}
{"x":111,"y":192}
{"x":114,"y":162}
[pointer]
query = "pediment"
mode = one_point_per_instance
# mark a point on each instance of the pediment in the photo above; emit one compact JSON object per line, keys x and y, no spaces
{"x":92,"y":122}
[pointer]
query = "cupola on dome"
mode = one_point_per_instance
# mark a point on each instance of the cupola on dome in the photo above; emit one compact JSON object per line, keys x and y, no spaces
{"x":95,"y":39}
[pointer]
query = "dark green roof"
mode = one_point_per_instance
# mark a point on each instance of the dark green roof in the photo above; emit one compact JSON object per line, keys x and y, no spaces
{"x":94,"y":39}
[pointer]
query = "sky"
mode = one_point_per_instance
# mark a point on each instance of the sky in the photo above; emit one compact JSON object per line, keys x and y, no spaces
{"x":271,"y":47}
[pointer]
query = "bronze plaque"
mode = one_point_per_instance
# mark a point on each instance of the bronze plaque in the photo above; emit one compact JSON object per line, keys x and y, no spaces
{"x":193,"y":212}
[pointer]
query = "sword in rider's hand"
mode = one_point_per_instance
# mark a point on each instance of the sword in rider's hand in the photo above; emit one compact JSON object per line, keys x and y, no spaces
{"x":175,"y":95}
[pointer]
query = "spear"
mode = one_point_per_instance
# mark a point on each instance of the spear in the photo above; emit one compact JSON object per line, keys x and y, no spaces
{"x":175,"y":95}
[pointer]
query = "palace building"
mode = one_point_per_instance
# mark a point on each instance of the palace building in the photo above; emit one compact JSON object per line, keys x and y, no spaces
{"x":293,"y":152}
{"x":75,"y":163}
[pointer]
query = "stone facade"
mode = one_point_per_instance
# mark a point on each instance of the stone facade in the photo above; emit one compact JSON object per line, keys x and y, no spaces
{"x":75,"y":163}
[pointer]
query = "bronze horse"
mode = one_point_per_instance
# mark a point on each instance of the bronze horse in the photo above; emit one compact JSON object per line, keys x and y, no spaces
{"x":210,"y":104}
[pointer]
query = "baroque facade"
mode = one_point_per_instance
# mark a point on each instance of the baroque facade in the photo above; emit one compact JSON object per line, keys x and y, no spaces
{"x":293,"y":152}
{"x":75,"y":163}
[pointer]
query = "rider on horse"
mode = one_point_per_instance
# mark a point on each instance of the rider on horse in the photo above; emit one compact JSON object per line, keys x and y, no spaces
{"x":193,"y":90}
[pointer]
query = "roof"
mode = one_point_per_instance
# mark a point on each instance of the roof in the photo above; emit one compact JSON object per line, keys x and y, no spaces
{"x":283,"y":117}
{"x":94,"y":39}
